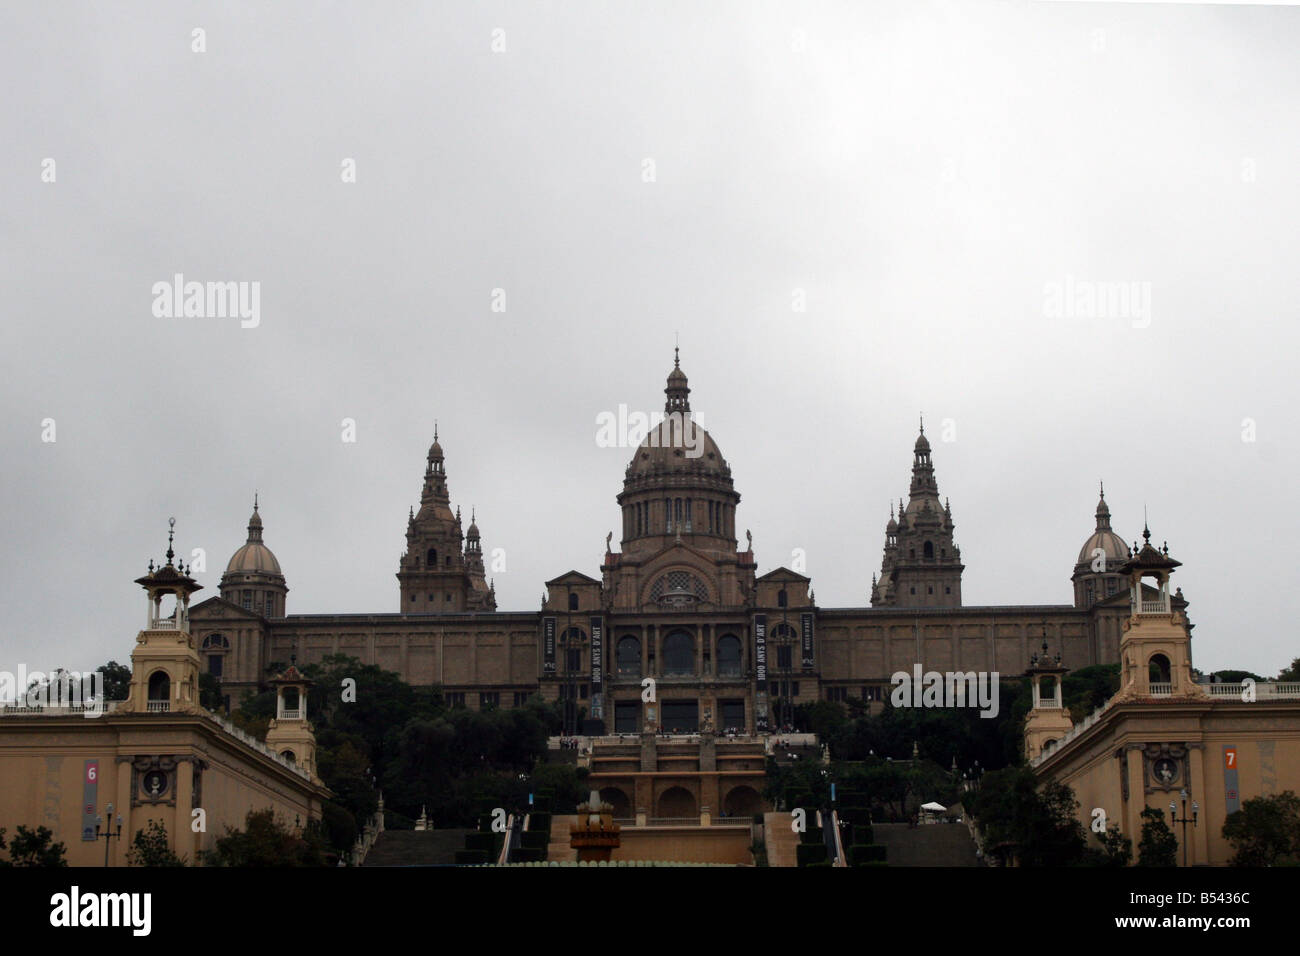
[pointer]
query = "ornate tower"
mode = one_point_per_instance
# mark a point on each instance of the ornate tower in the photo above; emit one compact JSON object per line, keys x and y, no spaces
{"x":437,"y":573}
{"x":1155,"y":650}
{"x":1096,"y":574}
{"x":922,"y":566}
{"x":1048,"y":720}
{"x":165,"y":663}
{"x":290,"y":734}
{"x":253,"y":579}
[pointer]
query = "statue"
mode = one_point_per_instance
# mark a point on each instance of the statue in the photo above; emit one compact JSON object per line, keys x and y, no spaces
{"x":608,"y":538}
{"x":749,"y":541}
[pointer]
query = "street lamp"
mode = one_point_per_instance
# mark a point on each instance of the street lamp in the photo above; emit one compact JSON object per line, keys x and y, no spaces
{"x":107,"y":832}
{"x":1185,"y":819}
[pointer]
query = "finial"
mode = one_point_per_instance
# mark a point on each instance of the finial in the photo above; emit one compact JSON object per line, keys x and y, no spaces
{"x":435,"y":429}
{"x":1102,"y":485}
{"x":171,"y":530}
{"x":472,"y":512}
{"x":458,"y":514}
{"x":891,"y":511}
{"x":254,"y":501}
{"x":151,"y":565}
{"x":922,"y":424}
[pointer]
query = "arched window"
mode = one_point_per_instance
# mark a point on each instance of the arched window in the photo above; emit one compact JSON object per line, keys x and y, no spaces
{"x":729,"y":656}
{"x":629,"y":656}
{"x":288,"y":755}
{"x":929,"y":549}
{"x":1158,"y":669}
{"x":160,"y":686}
{"x":215,"y":642}
{"x":431,"y":559}
{"x":679,"y":655}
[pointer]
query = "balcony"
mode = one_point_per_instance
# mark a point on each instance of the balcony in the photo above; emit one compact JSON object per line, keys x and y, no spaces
{"x":159,"y":706}
{"x":294,"y":714}
{"x":1154,"y":607}
{"x":1161,"y":689}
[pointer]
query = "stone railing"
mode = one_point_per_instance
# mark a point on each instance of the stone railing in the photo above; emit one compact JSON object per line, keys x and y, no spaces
{"x":1262,"y":690}
{"x":1074,"y":732}
{"x":14,"y":710}
{"x":1161,"y":688}
{"x":366,"y":840}
{"x":158,"y":706}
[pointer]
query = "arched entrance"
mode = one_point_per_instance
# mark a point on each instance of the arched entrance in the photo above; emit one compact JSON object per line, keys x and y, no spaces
{"x":677,"y":802}
{"x":618,"y":800}
{"x":743,"y":802}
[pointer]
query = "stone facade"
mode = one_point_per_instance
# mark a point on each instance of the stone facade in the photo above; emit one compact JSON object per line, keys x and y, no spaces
{"x":679,"y":602}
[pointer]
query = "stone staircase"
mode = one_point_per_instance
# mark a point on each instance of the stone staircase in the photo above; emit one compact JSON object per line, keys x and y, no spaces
{"x":416,"y":848}
{"x":940,"y":844}
{"x":559,"y":849}
{"x":781,"y":841}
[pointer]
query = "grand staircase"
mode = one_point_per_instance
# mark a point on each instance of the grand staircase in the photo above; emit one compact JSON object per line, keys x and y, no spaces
{"x":940,"y":844}
{"x":416,"y":848}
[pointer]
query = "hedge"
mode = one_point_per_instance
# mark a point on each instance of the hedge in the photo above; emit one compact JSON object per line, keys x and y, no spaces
{"x":471,"y":856}
{"x":807,"y":854}
{"x":862,"y":854}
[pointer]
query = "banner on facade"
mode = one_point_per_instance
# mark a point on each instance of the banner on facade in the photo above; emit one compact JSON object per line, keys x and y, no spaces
{"x":548,"y":645}
{"x":89,"y":798}
{"x":597,"y":667}
{"x":760,"y":673}
{"x":807,"y":626}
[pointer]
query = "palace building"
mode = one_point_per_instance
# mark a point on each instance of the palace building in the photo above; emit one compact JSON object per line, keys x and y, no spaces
{"x":678,"y":601}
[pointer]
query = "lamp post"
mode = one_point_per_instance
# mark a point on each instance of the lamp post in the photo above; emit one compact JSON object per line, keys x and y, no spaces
{"x":1184,"y":819}
{"x":106,"y":833}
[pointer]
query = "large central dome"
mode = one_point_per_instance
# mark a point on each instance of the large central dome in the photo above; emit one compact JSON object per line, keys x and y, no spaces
{"x":677,"y":483}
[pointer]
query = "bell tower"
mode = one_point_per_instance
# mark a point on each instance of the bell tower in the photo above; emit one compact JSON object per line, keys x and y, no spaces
{"x":1048,"y":720}
{"x":1155,"y":649}
{"x":290,"y":734}
{"x":165,"y":662}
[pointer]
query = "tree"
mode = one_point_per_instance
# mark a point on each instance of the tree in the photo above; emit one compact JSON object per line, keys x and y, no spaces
{"x":1116,"y":848}
{"x":210,"y":697}
{"x":1158,"y":846}
{"x":265,"y":841}
{"x":36,"y":848}
{"x":117,"y":680}
{"x":1292,"y":673}
{"x":1265,"y":831}
{"x":151,"y":847}
{"x":1037,"y":825}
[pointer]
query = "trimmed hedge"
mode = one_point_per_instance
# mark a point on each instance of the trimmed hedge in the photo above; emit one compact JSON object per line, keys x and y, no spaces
{"x":807,"y":854}
{"x":535,"y":839}
{"x":471,"y":856}
{"x":539,"y":823}
{"x":812,"y":835}
{"x":862,"y":854}
{"x":528,"y":855}
{"x":481,"y":840}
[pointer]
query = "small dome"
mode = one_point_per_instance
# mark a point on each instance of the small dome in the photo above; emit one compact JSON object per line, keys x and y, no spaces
{"x":669,"y":447}
{"x":922,"y":444}
{"x":892,"y":526}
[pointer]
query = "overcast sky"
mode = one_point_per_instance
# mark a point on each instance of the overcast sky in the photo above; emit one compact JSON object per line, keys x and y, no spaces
{"x":923,"y":177}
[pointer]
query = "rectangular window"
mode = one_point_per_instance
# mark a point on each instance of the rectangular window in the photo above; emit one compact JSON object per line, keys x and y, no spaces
{"x":521,"y":698}
{"x":582,"y":691}
{"x":248,"y":600}
{"x":837,"y":693}
{"x":215,"y":662}
{"x":785,"y":657}
{"x":733,"y":715}
{"x":456,"y":698}
{"x":489,"y":698}
{"x":573,"y":656}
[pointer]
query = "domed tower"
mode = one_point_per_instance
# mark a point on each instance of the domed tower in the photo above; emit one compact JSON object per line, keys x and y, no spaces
{"x":482,"y":596}
{"x":434,"y":574}
{"x":1097,"y":572}
{"x":678,"y":485}
{"x":922,"y":566}
{"x":253,"y":579}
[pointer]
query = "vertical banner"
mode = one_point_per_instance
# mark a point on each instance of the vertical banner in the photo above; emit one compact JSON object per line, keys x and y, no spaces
{"x":597,"y":667}
{"x":760,"y":673}
{"x":806,"y":621}
{"x":89,"y":798}
{"x":1231,"y":794}
{"x":548,"y":645}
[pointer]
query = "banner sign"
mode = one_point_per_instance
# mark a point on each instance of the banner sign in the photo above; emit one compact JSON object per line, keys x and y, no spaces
{"x":807,"y":622}
{"x":89,"y":796}
{"x":1231,"y":793}
{"x":548,"y":645}
{"x":760,"y":673}
{"x":597,"y":666}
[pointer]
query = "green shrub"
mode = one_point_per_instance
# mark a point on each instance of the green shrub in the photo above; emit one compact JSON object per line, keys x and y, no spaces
{"x":539,"y":822}
{"x":480,"y":840}
{"x":807,"y":854}
{"x":862,"y":854}
{"x":535,"y":839}
{"x":471,"y":856}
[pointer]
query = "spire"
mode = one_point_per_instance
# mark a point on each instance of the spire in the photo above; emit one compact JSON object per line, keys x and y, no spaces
{"x":678,"y":391}
{"x":171,"y":531}
{"x":1103,"y":512}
